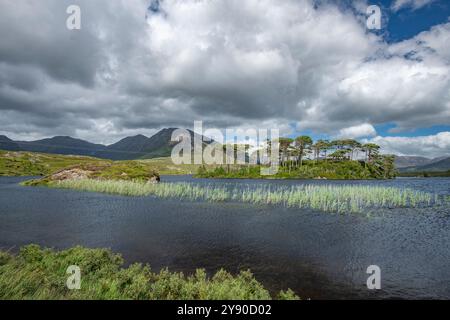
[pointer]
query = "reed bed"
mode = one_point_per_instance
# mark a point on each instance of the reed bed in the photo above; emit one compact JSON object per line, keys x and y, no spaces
{"x":328,"y":198}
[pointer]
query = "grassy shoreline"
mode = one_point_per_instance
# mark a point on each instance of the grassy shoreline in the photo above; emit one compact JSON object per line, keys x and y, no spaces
{"x":327,"y":198}
{"x":40,"y":274}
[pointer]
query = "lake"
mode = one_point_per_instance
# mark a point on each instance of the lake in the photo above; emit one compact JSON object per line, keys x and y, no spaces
{"x":318,"y":255}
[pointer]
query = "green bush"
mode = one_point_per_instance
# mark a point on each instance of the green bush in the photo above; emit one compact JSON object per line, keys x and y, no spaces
{"x":36,"y":273}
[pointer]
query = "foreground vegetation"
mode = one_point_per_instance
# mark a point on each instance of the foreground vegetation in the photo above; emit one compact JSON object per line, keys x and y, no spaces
{"x":328,"y":198}
{"x":36,"y":273}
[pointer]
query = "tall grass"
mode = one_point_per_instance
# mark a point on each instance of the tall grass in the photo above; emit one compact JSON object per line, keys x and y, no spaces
{"x":329,"y":198}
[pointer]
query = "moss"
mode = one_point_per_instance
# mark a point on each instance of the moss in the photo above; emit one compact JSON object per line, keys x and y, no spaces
{"x":37,"y":273}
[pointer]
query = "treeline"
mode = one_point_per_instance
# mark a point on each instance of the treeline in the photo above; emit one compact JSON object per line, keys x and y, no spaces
{"x":294,"y":151}
{"x":303,"y":158}
{"x":346,"y":149}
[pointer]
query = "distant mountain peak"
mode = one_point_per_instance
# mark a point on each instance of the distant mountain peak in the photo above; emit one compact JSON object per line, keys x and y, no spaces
{"x":139,"y":136}
{"x":69,"y":138}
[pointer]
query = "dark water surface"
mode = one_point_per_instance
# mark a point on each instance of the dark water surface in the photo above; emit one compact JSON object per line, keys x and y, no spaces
{"x":318,"y":255}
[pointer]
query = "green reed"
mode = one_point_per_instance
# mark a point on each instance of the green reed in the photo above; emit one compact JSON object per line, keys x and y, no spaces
{"x":329,"y":198}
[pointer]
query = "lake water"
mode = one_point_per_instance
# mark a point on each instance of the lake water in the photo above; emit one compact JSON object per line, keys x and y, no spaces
{"x":318,"y":255}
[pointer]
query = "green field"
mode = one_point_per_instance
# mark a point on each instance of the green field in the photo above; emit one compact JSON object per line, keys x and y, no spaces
{"x":36,"y":273}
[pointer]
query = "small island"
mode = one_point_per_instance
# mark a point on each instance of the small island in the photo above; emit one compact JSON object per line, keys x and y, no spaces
{"x":301,"y":158}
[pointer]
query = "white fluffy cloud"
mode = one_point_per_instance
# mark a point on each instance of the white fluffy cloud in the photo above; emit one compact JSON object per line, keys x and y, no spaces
{"x":358,"y":131}
{"x":229,"y":63}
{"x":427,"y":146}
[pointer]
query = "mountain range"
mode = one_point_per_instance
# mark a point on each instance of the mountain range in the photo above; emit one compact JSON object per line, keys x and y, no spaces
{"x":129,"y":148}
{"x":160,"y":145}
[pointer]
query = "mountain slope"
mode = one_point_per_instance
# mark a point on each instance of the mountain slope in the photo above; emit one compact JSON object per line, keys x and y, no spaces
{"x":127,"y":148}
{"x":62,"y":145}
{"x":408,"y":161}
{"x":142,"y":147}
{"x":441,"y":165}
{"x":8,"y":144}
{"x":160,"y":145}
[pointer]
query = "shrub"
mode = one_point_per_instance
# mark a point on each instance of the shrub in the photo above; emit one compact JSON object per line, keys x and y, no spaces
{"x":37,"y":273}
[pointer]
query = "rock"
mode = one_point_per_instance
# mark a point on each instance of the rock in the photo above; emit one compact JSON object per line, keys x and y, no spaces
{"x":153,"y":180}
{"x":71,"y":174}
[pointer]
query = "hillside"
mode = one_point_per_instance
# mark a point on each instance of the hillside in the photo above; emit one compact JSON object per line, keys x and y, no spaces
{"x":441,"y":165}
{"x":38,"y":164}
{"x":128,"y":148}
{"x":62,"y":145}
{"x":159,"y":145}
{"x":8,"y":144}
{"x":24,"y":163}
{"x":411,"y":161}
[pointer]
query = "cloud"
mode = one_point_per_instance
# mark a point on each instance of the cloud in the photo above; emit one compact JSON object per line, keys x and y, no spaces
{"x":284,"y":64}
{"x":413,"y":4}
{"x":427,"y":146}
{"x":358,"y":131}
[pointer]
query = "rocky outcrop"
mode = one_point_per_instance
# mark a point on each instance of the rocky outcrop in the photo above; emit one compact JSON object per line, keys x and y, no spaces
{"x":129,"y":171}
{"x":154,"y":179}
{"x":71,"y":174}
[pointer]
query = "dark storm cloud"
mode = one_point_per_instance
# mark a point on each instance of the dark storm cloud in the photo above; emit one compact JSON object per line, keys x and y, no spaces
{"x":34,"y":34}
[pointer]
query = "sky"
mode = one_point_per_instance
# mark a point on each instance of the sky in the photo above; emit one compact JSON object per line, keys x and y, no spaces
{"x":302,"y":66}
